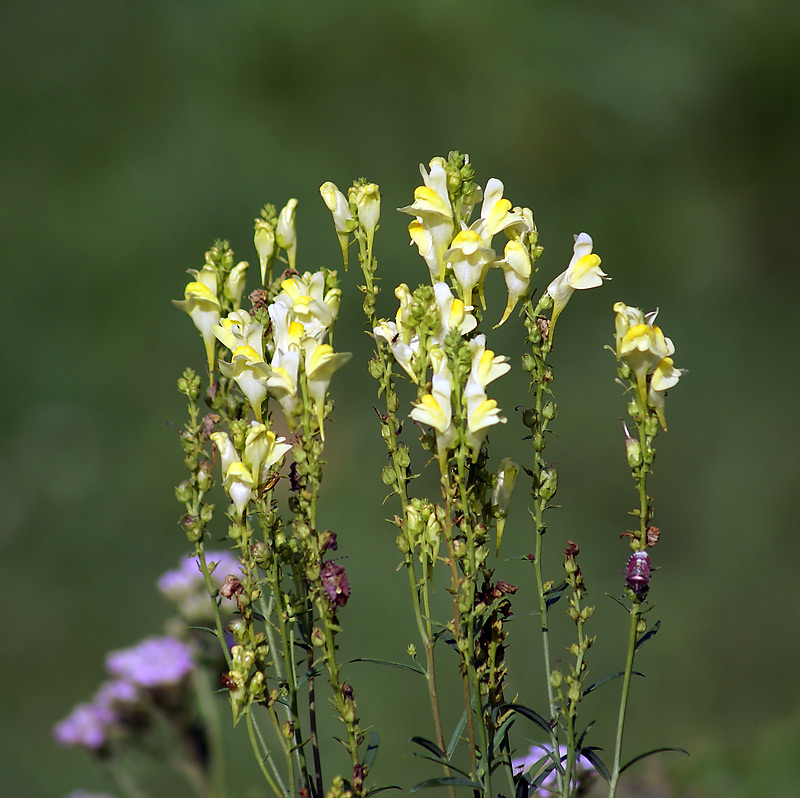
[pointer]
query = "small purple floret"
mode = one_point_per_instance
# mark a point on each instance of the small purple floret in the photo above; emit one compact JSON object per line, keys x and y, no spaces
{"x":187,"y":578}
{"x":154,"y":662}
{"x":86,"y":726}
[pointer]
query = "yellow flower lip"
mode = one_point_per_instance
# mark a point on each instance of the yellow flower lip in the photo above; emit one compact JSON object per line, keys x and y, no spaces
{"x":243,"y":350}
{"x":198,"y":290}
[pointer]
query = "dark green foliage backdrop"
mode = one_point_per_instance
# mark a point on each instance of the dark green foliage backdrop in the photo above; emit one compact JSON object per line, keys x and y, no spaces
{"x":135,"y":133}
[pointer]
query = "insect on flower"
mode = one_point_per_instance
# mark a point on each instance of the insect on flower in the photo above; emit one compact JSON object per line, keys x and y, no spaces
{"x":637,"y":574}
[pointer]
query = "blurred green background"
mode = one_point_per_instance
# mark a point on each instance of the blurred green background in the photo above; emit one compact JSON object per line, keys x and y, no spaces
{"x":136,"y":133}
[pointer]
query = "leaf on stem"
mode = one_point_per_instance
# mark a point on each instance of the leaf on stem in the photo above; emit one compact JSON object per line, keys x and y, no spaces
{"x":372,"y":751}
{"x":592,"y":687}
{"x":446,"y":781}
{"x":429,"y":745}
{"x":532,"y":716}
{"x":403,"y":666}
{"x":651,"y":632}
{"x":649,"y":753}
{"x":590,"y":753}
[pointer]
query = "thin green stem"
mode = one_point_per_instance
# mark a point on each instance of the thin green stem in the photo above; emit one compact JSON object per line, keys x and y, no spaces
{"x":623,"y":704}
{"x":257,"y":743}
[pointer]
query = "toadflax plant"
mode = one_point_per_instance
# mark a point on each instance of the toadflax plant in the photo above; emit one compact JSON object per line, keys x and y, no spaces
{"x":275,"y":597}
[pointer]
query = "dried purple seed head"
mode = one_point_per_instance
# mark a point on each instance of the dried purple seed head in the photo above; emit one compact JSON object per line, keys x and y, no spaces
{"x":637,"y":574}
{"x":335,"y":584}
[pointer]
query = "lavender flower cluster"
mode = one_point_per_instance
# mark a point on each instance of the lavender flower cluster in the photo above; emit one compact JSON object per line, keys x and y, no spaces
{"x":185,"y":587}
{"x":153,"y":663}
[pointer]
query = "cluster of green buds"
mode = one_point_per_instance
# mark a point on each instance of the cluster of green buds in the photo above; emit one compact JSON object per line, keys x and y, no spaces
{"x":246,"y":679}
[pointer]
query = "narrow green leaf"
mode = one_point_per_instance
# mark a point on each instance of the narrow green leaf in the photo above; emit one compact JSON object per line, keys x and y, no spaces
{"x":554,"y":594}
{"x":428,"y":745}
{"x":451,"y":746}
{"x":597,"y":763}
{"x":442,"y":762}
{"x":401,"y":665}
{"x":532,"y":716}
{"x":650,"y":753}
{"x":522,"y":788}
{"x":446,"y":781}
{"x":592,"y":687}
{"x":651,"y":632}
{"x":381,"y":789}
{"x":372,"y":750}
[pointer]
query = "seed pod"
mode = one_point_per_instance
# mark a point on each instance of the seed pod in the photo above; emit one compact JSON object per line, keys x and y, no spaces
{"x":637,"y":574}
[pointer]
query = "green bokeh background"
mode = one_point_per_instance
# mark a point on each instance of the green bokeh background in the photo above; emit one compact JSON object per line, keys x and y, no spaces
{"x":136,"y":133}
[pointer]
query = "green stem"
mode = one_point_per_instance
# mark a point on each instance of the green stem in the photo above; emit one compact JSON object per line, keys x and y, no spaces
{"x":623,"y":704}
{"x":257,"y":742}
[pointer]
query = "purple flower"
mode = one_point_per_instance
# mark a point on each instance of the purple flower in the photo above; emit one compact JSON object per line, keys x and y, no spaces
{"x":87,"y":726}
{"x":186,"y":587}
{"x":539,"y":759}
{"x":115,"y":693}
{"x":188,"y":576}
{"x":154,"y":662}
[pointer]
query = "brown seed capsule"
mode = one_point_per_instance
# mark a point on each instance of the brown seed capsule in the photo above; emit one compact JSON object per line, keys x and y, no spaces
{"x":653,"y":534}
{"x":637,"y":574}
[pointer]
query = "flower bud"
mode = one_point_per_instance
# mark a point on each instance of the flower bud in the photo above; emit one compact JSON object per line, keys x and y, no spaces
{"x":556,"y":679}
{"x":388,"y":475}
{"x":548,"y":484}
{"x":183,"y":491}
{"x":550,"y":410}
{"x":317,"y":637}
{"x":205,"y":478}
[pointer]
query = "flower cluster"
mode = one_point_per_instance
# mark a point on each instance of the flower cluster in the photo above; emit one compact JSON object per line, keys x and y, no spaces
{"x":645,"y":350}
{"x":185,"y":585}
{"x":154,"y":663}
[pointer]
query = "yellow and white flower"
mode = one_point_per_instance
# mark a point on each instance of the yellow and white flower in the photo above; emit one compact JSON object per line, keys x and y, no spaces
{"x":367,"y":199}
{"x":432,"y":231}
{"x":452,"y":312}
{"x":482,"y":412}
{"x":470,"y":261}
{"x":234,"y":283}
{"x":264,"y":240}
{"x":496,"y":212}
{"x":343,"y":220}
{"x":435,"y":408}
{"x":516,"y":266}
{"x":285,"y":231}
{"x":262,"y":450}
{"x":404,"y":353}
{"x":250,"y":372}
{"x":201,"y":303}
{"x":583,"y":272}
{"x":643,"y":347}
{"x":239,"y":329}
{"x":665,"y":376}
{"x":237,"y":480}
{"x":320,"y":363}
{"x":305,"y":297}
{"x":507,"y":473}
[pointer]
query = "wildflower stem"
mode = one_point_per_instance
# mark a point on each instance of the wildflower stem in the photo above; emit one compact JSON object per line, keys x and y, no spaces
{"x":623,"y":703}
{"x":257,"y":744}
{"x":218,"y":630}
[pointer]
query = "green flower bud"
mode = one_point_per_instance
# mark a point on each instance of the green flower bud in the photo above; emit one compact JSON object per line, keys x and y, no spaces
{"x":238,"y":628}
{"x":528,"y":361}
{"x":375,"y":369}
{"x":317,"y":637}
{"x":651,"y":426}
{"x":193,"y":528}
{"x":550,"y":410}
{"x":548,"y":484}
{"x":206,"y":512}
{"x":402,"y":544}
{"x":403,"y":458}
{"x":205,"y":478}
{"x":556,"y":679}
{"x":183,"y":491}
{"x":388,"y":476}
{"x":459,"y":549}
{"x":190,"y":462}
